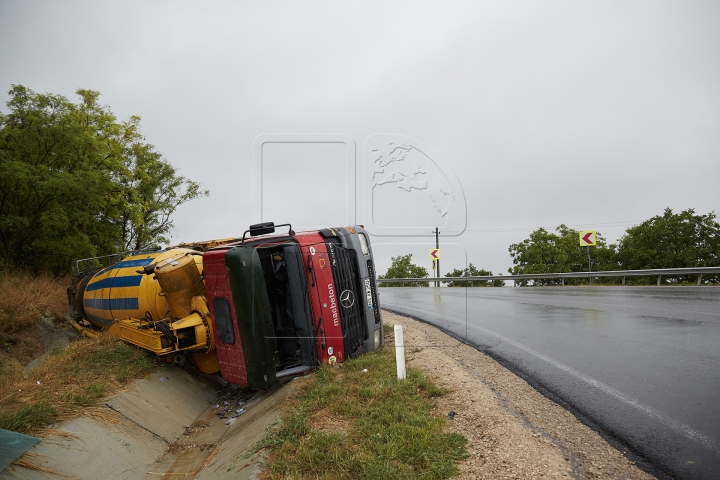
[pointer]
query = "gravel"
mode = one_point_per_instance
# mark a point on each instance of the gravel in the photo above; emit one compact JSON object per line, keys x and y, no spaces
{"x":513,"y":431}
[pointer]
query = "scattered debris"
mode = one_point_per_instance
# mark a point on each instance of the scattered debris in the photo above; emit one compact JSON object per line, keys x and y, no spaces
{"x":231,"y":403}
{"x":451,"y":415}
{"x":229,"y":413}
{"x":193,"y":428}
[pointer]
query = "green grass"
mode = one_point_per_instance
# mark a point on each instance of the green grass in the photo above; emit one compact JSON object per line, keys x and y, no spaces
{"x":69,"y":379}
{"x":346,"y":423}
{"x":27,"y":417}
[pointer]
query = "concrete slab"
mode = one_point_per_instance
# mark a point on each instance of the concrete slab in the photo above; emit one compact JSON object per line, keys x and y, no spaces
{"x":236,"y":459}
{"x":169,"y":430}
{"x":211,"y":442}
{"x":99,"y":450}
{"x":186,"y":456}
{"x":153,"y":412}
{"x":233,"y":457}
{"x":164,"y":402}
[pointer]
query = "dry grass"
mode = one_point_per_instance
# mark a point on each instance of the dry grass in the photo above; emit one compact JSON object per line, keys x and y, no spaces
{"x":324,"y":421}
{"x":25,"y":462}
{"x":27,"y":298}
{"x":66,"y":382}
{"x":104,"y":415}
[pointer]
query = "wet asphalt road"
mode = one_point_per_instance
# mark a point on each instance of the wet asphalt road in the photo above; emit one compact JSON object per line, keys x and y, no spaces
{"x":641,"y":365}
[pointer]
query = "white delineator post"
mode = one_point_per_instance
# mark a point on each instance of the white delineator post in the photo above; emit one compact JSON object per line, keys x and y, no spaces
{"x":400,"y":352}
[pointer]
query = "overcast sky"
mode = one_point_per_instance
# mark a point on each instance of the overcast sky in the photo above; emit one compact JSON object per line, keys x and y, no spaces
{"x":592,"y":114}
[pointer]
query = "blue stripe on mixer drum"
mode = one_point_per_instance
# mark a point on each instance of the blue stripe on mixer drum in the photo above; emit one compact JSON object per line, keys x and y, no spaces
{"x":112,"y":303}
{"x":133,"y":263}
{"x":127,"y":263}
{"x":131,"y":281}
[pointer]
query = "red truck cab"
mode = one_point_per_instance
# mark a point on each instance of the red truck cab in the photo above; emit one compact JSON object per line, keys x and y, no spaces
{"x":283,"y":304}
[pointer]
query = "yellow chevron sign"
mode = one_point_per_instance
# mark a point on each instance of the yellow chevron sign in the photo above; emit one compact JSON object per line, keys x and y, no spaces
{"x":588,"y":238}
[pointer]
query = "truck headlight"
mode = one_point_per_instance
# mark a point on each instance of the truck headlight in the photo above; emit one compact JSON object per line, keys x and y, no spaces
{"x":364,"y":244}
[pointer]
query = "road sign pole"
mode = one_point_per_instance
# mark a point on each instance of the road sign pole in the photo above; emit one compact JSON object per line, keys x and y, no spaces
{"x":437,"y":262}
{"x":588,"y":238}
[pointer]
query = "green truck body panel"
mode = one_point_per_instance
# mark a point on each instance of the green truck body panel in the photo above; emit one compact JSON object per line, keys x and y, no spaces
{"x":252,"y":305}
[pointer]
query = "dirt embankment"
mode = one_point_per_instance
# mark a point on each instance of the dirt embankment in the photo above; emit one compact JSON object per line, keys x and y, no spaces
{"x":513,"y":430}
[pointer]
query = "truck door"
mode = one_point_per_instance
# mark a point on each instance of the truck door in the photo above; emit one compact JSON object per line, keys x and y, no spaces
{"x":252,"y":320}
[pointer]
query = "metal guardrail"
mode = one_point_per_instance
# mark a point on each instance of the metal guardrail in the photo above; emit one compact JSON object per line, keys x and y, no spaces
{"x":651,"y":272}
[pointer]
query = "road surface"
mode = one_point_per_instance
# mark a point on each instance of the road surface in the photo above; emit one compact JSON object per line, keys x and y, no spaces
{"x":639,"y":364}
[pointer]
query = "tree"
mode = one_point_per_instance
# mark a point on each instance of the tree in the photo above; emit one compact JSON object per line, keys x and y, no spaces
{"x":70,"y":177}
{"x":545,"y":252}
{"x":672,"y":240}
{"x":402,"y":267}
{"x":152,"y":192}
{"x":56,"y":191}
{"x":472,"y":271}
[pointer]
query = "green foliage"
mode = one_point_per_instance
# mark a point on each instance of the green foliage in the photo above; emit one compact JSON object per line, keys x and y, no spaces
{"x":86,"y":396}
{"x":472,"y":271}
{"x":152,"y":192}
{"x":350,"y":423}
{"x":672,"y":240}
{"x":402,"y":267}
{"x":57,"y":160}
{"x":545,"y":252}
{"x":75,"y":182}
{"x":28,"y":417}
{"x":123,"y":362}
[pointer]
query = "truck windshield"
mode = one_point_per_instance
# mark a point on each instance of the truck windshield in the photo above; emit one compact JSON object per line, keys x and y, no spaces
{"x":289,"y":305}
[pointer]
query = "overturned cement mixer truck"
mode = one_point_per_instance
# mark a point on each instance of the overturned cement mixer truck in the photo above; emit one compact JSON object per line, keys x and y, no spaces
{"x":254,"y":309}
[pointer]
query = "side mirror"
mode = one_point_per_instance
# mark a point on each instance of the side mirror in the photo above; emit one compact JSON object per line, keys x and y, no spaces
{"x":262,"y":229}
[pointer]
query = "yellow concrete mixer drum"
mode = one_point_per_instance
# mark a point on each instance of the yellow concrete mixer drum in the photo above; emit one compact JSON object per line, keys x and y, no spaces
{"x":180,"y":281}
{"x":154,"y":299}
{"x":123,"y":290}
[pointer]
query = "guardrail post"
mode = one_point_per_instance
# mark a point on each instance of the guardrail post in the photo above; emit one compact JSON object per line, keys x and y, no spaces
{"x":563,"y":281}
{"x":400,"y":352}
{"x":623,"y":281}
{"x":659,"y":276}
{"x":699,"y":279}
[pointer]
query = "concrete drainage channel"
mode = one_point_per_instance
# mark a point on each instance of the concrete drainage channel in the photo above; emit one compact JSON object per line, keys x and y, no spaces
{"x":167,"y":425}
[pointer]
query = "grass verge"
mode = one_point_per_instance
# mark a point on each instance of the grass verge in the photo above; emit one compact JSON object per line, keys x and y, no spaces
{"x":26,"y":298}
{"x":67,"y":380}
{"x":356,"y":420}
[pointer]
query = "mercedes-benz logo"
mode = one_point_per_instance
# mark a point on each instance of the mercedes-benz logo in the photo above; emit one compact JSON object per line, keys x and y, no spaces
{"x":347,"y":299}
